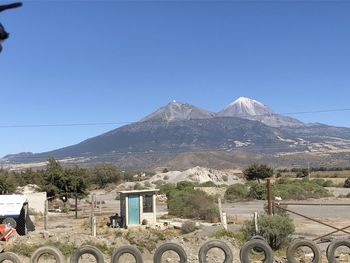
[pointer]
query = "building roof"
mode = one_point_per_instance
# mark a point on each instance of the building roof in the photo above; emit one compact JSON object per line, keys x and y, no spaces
{"x":139,"y":191}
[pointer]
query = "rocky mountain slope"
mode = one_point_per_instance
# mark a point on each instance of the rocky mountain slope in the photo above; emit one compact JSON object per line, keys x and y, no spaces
{"x":178,"y":128}
{"x":177,"y":111}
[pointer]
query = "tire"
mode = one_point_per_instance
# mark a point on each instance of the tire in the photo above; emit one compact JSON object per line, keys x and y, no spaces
{"x":57,"y":254}
{"x":258,"y":237}
{"x":87,"y":250}
{"x":127,"y":249}
{"x":256,"y":245}
{"x":10,"y":221}
{"x":297,"y":243}
{"x":333,"y":247}
{"x":258,"y":251}
{"x":203,"y":251}
{"x":9,"y":256}
{"x":157,"y":258}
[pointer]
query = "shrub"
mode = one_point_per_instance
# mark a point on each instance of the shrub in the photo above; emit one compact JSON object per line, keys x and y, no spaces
{"x":236,"y":192}
{"x":28,"y":249}
{"x":287,"y":189}
{"x":322,"y":182}
{"x":185,"y":185}
{"x":276,"y":229}
{"x":24,"y":249}
{"x":207,"y":184}
{"x":318,"y":181}
{"x":65,"y":208}
{"x":347,"y":183}
{"x":257,"y":191}
{"x":239,"y":236}
{"x":188,"y":227}
{"x":328,"y":183}
{"x":190,"y":203}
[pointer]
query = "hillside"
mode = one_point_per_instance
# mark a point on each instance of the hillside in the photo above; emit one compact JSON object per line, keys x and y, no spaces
{"x":184,"y":135}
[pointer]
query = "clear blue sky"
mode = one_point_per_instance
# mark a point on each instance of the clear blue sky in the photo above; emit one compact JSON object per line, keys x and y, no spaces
{"x":116,"y":61}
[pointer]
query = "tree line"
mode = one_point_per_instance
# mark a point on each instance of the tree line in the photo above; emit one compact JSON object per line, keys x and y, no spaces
{"x":62,"y":182}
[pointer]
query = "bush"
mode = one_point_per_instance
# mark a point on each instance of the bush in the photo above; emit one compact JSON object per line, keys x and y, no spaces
{"x":257,"y":191}
{"x":328,"y":183}
{"x":322,"y":182}
{"x":236,"y":192}
{"x":347,"y":183}
{"x":318,"y":181}
{"x":208,"y":184}
{"x":27,"y":250}
{"x":287,"y":189}
{"x":186,"y":185}
{"x":239,"y":236}
{"x":188,"y":227}
{"x":276,"y":229}
{"x":190,"y":203}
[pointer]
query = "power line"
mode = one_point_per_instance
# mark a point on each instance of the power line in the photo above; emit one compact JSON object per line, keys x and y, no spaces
{"x":63,"y":124}
{"x":4,"y":126}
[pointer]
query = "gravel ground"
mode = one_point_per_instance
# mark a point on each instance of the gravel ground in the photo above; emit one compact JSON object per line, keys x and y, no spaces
{"x":76,"y":232}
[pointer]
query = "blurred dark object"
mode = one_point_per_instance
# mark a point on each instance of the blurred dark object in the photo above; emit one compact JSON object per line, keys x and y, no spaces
{"x":3,"y":34}
{"x":10,"y":6}
{"x":115,"y":221}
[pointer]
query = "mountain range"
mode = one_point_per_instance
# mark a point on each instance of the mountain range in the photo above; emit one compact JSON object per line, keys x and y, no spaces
{"x":179,"y":130}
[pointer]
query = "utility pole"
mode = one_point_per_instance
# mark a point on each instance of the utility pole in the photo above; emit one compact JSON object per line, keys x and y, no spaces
{"x":269,"y":197}
{"x":92,"y":216}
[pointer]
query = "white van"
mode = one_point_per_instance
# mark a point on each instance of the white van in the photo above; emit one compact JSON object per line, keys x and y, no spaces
{"x":14,"y":212}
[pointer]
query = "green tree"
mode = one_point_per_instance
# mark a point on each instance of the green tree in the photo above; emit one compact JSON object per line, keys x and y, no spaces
{"x":64,"y":183}
{"x":54,"y":180}
{"x":7,"y":183}
{"x":76,"y":183}
{"x":257,"y":172}
{"x":103,"y":174}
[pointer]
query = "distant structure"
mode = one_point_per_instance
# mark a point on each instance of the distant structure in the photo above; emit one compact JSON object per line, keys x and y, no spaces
{"x":138,"y":207}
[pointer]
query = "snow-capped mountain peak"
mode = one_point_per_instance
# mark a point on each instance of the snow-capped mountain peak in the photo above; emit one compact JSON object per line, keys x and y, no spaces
{"x":245,"y":107}
{"x":251,"y":109}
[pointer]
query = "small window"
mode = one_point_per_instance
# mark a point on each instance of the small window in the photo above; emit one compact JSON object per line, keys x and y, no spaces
{"x":148,"y":203}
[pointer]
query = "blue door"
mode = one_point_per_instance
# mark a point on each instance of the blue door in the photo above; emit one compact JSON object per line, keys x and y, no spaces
{"x":134,"y":210}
